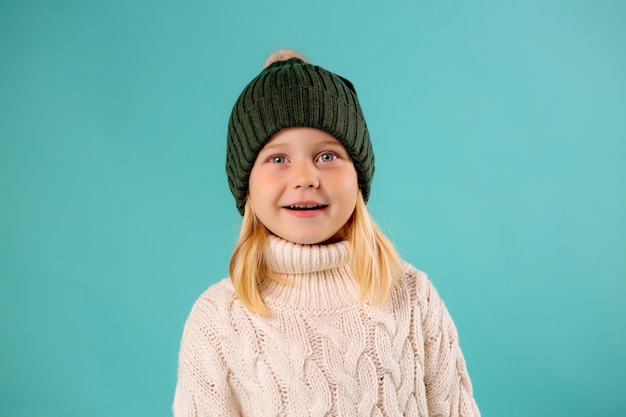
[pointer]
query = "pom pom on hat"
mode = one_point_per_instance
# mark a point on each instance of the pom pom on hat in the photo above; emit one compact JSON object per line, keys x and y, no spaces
{"x":290,"y":92}
{"x":283,"y":55}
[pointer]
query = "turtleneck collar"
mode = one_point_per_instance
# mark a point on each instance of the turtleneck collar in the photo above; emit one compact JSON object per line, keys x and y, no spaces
{"x":319,"y":277}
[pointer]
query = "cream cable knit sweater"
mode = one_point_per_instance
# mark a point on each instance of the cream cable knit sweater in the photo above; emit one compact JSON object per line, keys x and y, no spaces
{"x":321,"y":353}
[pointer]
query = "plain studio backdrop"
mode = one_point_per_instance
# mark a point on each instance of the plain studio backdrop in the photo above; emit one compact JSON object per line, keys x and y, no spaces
{"x":500,"y":137}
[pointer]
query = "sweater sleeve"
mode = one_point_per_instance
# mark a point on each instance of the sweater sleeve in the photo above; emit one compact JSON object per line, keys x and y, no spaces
{"x":448,"y":386}
{"x":202,"y":389}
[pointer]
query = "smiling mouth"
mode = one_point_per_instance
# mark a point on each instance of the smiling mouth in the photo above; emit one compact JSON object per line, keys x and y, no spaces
{"x":305,"y":207}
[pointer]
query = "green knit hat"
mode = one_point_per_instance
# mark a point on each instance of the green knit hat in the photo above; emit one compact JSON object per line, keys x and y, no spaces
{"x":294,"y":93}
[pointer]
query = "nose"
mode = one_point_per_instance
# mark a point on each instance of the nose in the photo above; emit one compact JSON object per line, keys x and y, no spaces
{"x":305,"y":176}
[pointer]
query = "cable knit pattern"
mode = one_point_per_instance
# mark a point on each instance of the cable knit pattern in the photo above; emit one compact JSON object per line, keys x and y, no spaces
{"x":322,"y":353}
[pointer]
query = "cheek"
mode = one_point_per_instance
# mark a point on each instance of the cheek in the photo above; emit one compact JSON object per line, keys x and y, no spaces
{"x":256,"y":182}
{"x":348,"y":183}
{"x":347,"y":189}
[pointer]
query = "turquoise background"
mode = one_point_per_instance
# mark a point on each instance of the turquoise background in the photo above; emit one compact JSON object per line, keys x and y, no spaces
{"x":500,"y":137}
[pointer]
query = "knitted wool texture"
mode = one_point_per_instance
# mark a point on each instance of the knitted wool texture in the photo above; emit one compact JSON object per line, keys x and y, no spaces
{"x":294,"y":93}
{"x":322,"y":353}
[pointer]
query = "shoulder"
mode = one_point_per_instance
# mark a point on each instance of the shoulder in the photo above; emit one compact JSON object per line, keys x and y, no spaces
{"x":424,"y":295}
{"x":416,"y":280}
{"x":217,"y":296}
{"x":411,"y":271}
{"x":219,"y":293}
{"x":214,"y":306}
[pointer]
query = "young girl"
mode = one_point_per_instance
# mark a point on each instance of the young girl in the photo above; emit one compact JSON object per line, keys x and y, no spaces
{"x":319,"y":317}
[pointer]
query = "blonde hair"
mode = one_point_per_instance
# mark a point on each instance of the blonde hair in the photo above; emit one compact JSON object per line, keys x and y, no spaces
{"x":375,"y":261}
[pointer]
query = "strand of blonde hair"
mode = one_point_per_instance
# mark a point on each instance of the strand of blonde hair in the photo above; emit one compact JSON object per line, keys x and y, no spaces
{"x":376,"y":262}
{"x":248,"y":269}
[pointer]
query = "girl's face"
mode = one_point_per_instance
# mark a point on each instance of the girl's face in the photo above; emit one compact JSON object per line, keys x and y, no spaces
{"x":303,"y":185}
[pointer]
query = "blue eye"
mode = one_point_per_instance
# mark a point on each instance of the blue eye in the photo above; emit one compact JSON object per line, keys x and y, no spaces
{"x":327,"y":157}
{"x":278,"y":159}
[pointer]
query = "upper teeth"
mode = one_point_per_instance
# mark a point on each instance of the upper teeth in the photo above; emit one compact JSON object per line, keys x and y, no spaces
{"x":304,"y":205}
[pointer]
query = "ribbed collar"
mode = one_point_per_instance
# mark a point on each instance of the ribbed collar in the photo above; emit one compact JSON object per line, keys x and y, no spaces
{"x":320,"y":278}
